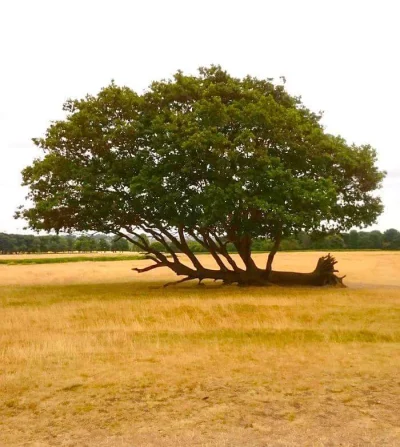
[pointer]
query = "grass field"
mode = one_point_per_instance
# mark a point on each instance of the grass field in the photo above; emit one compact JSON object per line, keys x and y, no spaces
{"x":67,"y":259}
{"x":93,"y":354}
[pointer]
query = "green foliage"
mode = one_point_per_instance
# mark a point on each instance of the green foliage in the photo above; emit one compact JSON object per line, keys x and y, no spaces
{"x":196,"y":247}
{"x":290,"y":244}
{"x":157,"y":246}
{"x":103,"y":245}
{"x":352,"y":239}
{"x":261,"y":244}
{"x":119,"y":245}
{"x":86,"y":243}
{"x":391,"y":239}
{"x":22,"y":243}
{"x":27,"y":243}
{"x":330,"y":242}
{"x":233,"y":156}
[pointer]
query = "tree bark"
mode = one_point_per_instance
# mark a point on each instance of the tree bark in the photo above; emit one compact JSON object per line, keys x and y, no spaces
{"x":272,"y":253}
{"x":323,"y":275}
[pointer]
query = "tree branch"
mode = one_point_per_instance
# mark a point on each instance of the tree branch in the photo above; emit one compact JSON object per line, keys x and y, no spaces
{"x":213,"y":248}
{"x":150,"y":267}
{"x":182,"y":245}
{"x":273,"y":252}
{"x":158,"y":237}
{"x":144,"y":245}
{"x":225,"y":253}
{"x":243,"y":246}
{"x":133,"y":241}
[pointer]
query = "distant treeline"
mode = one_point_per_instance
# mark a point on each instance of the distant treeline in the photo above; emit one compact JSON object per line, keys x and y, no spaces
{"x":354,"y":240}
{"x":21,"y":243}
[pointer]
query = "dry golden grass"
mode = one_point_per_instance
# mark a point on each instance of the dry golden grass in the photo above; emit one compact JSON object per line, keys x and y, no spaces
{"x":370,"y":269}
{"x":96,"y":355}
{"x":66,"y":255}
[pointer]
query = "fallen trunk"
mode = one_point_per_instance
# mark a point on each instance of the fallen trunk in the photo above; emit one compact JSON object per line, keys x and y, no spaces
{"x":323,"y":275}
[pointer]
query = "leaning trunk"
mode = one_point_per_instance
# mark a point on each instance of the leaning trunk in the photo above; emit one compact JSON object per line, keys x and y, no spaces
{"x":323,"y":275}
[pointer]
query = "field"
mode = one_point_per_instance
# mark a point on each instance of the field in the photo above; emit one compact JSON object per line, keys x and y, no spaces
{"x":93,"y":354}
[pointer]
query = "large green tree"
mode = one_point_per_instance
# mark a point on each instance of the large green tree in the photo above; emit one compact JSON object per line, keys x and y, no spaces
{"x":209,"y":158}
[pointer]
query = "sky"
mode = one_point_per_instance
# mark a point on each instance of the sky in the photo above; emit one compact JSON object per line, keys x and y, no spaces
{"x":340,"y":56}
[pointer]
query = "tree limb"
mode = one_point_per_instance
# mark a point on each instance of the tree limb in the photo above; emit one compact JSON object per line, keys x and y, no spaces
{"x":213,"y":248}
{"x":150,"y":267}
{"x":225,"y":253}
{"x":273,"y":252}
{"x":144,"y":245}
{"x":185,"y":248}
{"x":159,"y":237}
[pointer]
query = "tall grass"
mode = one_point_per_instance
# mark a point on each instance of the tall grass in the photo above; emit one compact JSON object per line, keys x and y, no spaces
{"x":134,"y":364}
{"x":64,"y":260}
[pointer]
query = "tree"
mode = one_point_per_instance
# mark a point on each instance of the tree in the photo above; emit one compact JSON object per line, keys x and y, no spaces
{"x":70,"y":239}
{"x":36,"y":246}
{"x":7,"y":244}
{"x":375,"y":239}
{"x":391,"y":239}
{"x":103,"y":245}
{"x":353,"y":239}
{"x":158,"y":246}
{"x":85,"y":243}
{"x":119,"y":244}
{"x":290,"y":243}
{"x":334,"y":241}
{"x":304,"y":240}
{"x":209,"y":158}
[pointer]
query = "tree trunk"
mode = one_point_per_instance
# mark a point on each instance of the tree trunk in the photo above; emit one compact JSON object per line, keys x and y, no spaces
{"x":251,"y":275}
{"x":272,"y":253}
{"x":323,"y":275}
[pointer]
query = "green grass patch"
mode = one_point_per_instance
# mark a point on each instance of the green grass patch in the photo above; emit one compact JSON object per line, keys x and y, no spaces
{"x":273,"y":337}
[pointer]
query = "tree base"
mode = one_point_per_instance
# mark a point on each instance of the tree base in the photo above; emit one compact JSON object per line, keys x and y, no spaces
{"x":323,"y":275}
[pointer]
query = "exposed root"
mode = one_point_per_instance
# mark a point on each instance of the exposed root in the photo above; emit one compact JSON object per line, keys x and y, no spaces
{"x":323,"y":275}
{"x":326,"y":270}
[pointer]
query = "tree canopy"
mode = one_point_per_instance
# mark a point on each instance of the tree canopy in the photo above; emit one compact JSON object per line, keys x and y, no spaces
{"x":209,"y":157}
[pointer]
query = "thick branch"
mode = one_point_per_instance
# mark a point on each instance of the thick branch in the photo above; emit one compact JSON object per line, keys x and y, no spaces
{"x":224,"y":252}
{"x":150,"y":267}
{"x":243,"y":246}
{"x":273,"y":252}
{"x":213,"y":250}
{"x":144,"y":245}
{"x":158,"y":237}
{"x":208,"y":243}
{"x":185,"y":249}
{"x":161,"y":259}
{"x":133,"y":241}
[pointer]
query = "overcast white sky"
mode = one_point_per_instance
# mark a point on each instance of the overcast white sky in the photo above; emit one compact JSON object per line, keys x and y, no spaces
{"x":341,"y":56}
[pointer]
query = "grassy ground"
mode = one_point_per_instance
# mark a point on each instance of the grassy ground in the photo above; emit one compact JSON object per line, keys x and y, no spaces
{"x":68,"y":259}
{"x":97,"y":363}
